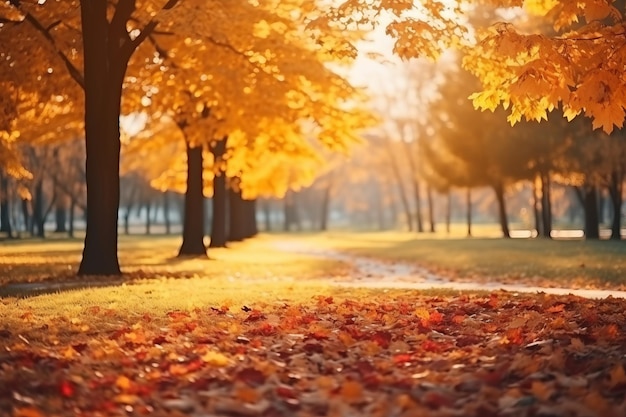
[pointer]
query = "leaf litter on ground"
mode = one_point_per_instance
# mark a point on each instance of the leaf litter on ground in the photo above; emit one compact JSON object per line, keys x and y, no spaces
{"x":337,"y":353}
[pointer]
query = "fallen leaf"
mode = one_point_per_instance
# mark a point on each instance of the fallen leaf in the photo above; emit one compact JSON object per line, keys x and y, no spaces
{"x":66,"y":388}
{"x":215,"y":358}
{"x":27,"y":412}
{"x":351,"y":392}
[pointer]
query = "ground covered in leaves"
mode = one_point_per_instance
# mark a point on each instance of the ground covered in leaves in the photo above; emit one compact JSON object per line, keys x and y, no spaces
{"x":361,"y":354}
{"x":253,"y":332}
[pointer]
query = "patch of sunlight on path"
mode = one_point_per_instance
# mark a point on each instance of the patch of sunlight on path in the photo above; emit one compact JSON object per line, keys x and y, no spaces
{"x":373,"y":273}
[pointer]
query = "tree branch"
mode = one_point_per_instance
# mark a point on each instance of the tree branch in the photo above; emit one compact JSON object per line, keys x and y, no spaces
{"x":162,"y":52}
{"x":74,"y":72}
{"x":53,"y":25}
{"x":150,"y":26}
{"x":4,"y":21}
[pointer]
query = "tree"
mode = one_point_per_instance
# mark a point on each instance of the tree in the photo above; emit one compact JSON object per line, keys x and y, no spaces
{"x":481,"y":147}
{"x":109,"y":41}
{"x":578,"y":66}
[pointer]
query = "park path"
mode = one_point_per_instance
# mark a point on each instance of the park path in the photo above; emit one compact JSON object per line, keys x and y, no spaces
{"x":374,"y":273}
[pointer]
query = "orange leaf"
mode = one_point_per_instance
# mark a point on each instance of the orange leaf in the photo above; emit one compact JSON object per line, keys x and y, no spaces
{"x":556,"y":308}
{"x":27,"y":412}
{"x":351,"y":391}
{"x":125,"y":399}
{"x":541,"y":390}
{"x":247,"y":394}
{"x":617,"y":376}
{"x":123,"y":383}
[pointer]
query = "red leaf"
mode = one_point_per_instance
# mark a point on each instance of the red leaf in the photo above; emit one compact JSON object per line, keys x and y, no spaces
{"x":285,"y":391}
{"x":320,"y":334}
{"x":119,"y":333}
{"x":364,"y":367}
{"x":255,"y":315}
{"x":79,"y":347}
{"x":308,"y":319}
{"x":178,"y":315}
{"x":436,"y":399}
{"x":401,"y":358}
{"x":493,"y":378}
{"x":382,"y":338}
{"x":251,"y":376}
{"x":313,"y":348}
{"x":435,"y":317}
{"x":431,"y":346}
{"x":159,"y":340}
{"x":266,"y":329}
{"x":66,"y":388}
{"x":515,"y":336}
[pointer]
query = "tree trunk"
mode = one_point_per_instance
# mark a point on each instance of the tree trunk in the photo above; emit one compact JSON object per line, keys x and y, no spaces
{"x":592,"y":227}
{"x":60,"y":216}
{"x":448,"y":212}
{"x":166,"y":213}
{"x":414,"y":182}
{"x":418,"y":206}
{"x":5,"y":206}
{"x":236,"y":216}
{"x":148,"y":218}
{"x":107,"y":50}
{"x":503,"y":218}
{"x":325,"y":208}
{"x":601,"y":207}
{"x":537,"y":208}
{"x":468,"y":203}
{"x":127,"y":220}
{"x":267,"y":215}
{"x":292,"y":216}
{"x":250,"y":227}
{"x":287,"y":212}
{"x":193,"y":222}
{"x":398,"y":179}
{"x":616,"y":192}
{"x":218,"y":223}
{"x":38,"y":210}
{"x":26,"y":214}
{"x":431,"y":208}
{"x":546,"y":205}
{"x":378,"y":203}
{"x":70,"y":231}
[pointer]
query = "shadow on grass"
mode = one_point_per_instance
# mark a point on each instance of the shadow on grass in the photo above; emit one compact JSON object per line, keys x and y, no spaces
{"x":53,"y":284}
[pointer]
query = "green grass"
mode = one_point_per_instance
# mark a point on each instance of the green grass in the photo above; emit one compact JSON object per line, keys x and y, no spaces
{"x":145,"y":257}
{"x":251,"y":273}
{"x":535,"y":261}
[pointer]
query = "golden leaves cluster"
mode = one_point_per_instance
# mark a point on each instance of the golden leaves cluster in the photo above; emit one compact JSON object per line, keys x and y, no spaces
{"x":579,"y":69}
{"x":254,"y":74}
{"x":577,"y":65}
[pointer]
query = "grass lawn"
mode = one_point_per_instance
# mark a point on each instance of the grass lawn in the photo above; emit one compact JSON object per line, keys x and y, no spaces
{"x":253,"y":332}
{"x":145,"y":257}
{"x":569,"y":263}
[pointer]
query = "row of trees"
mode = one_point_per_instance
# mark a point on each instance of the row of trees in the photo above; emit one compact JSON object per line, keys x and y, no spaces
{"x":244,"y":87}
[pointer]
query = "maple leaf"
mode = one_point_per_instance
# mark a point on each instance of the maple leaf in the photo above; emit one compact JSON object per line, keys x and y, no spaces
{"x":215,"y":359}
{"x":67,"y":389}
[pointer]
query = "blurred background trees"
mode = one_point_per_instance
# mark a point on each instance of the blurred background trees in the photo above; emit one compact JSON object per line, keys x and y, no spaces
{"x":290,"y":115}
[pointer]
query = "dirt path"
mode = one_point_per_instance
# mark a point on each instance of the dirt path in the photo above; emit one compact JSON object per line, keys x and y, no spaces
{"x":375,"y":273}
